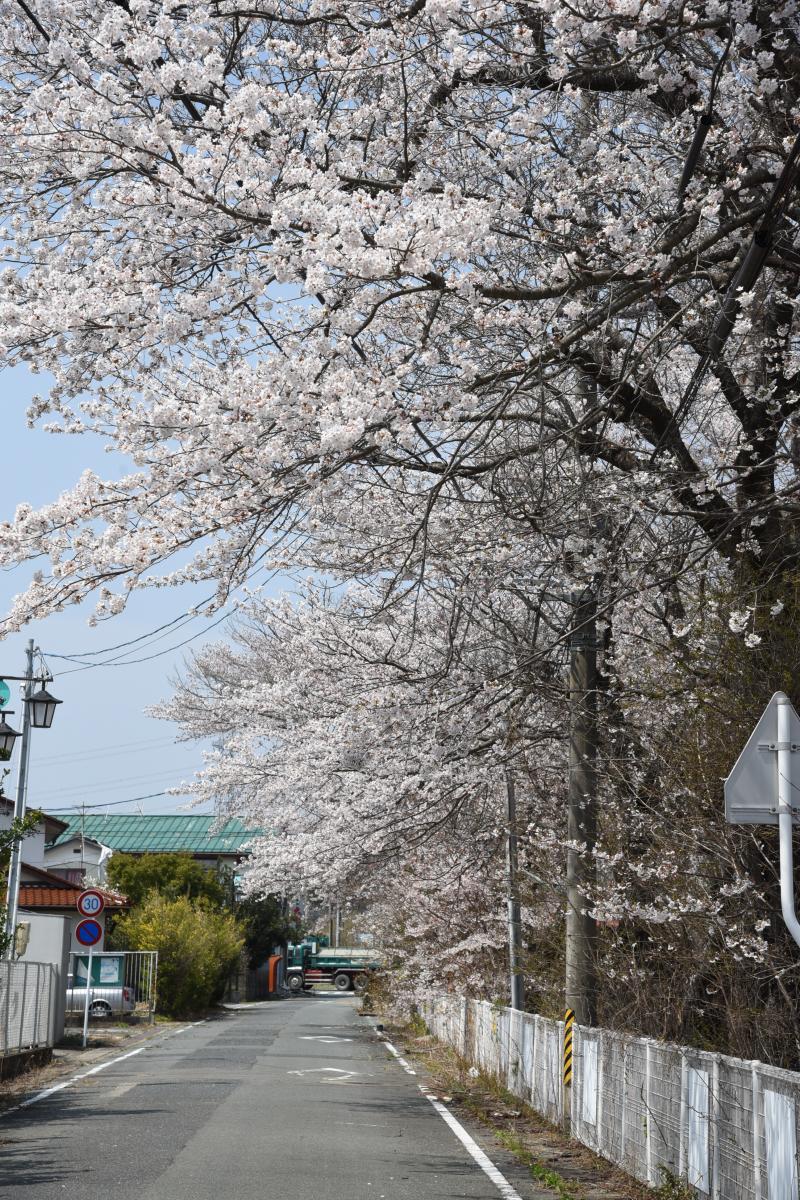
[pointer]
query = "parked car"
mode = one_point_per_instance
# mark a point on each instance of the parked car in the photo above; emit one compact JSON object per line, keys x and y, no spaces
{"x":104,"y":999}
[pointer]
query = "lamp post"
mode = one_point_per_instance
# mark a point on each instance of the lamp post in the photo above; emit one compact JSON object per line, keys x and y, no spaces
{"x":38,"y":710}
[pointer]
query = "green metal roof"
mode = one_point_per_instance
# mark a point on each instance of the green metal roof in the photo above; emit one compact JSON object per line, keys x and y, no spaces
{"x":141,"y":834}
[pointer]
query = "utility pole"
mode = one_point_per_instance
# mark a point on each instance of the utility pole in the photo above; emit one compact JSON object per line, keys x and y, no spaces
{"x":581,"y":931}
{"x":514,"y":922}
{"x":15,"y":866}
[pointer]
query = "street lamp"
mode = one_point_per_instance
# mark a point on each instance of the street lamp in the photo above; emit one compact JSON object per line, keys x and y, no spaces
{"x":38,"y":711}
{"x":7,"y":737}
{"x":42,"y":708}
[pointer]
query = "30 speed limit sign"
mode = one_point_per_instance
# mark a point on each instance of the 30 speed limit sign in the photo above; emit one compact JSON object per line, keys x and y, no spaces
{"x":91,"y":903}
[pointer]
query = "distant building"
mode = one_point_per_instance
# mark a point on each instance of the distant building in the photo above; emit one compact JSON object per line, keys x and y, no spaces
{"x":78,"y":859}
{"x":33,"y":846}
{"x":43,"y":892}
{"x":45,"y":886}
{"x":212,"y":844}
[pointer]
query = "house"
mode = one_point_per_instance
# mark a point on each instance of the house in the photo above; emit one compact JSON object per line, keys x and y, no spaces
{"x":33,"y":846}
{"x":77,"y":858}
{"x":210,"y":843}
{"x":46,"y":886}
{"x":42,"y":891}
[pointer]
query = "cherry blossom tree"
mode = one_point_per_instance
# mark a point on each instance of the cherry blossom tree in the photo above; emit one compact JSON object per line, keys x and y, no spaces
{"x":460,"y":307}
{"x":285,"y":254}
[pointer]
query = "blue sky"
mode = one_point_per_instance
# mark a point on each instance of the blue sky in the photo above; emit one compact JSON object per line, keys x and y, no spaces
{"x":102,"y":749}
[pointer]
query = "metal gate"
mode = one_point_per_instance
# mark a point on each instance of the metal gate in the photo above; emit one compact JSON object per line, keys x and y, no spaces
{"x":123,"y":981}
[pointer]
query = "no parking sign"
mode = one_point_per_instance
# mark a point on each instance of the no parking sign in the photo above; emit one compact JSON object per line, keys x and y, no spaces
{"x":89,"y":932}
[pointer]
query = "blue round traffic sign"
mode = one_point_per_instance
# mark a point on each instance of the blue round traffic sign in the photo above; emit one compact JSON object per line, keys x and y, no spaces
{"x":88,"y":932}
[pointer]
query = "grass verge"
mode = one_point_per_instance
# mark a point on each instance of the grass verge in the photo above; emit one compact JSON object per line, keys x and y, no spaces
{"x":569,"y":1170}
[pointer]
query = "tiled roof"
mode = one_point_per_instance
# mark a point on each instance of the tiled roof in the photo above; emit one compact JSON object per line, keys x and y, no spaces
{"x":31,"y":895}
{"x":134,"y":833}
{"x":47,"y":890}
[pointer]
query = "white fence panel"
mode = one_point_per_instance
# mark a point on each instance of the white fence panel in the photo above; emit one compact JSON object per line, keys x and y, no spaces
{"x":730,"y":1128}
{"x":27,"y":1005}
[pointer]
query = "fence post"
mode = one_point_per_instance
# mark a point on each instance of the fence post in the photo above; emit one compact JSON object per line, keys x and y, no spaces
{"x":6,"y":968}
{"x":573,"y":1091}
{"x":715,"y":1181}
{"x":600,"y":1082}
{"x":153,"y":985}
{"x":624,"y":1105}
{"x":756,"y":1133}
{"x":52,"y":1011}
{"x":536,"y":1049}
{"x":39,"y":993}
{"x":682,"y":1128}
{"x":22,"y":1007}
{"x":648,"y":1119}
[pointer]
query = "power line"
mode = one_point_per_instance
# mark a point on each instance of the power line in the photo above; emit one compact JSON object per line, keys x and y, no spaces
{"x":127,"y":662}
{"x":52,"y":795}
{"x":190,"y":612}
{"x":109,"y":804}
{"x":110,"y":751}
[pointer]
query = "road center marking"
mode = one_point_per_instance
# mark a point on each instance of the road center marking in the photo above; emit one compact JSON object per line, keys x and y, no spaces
{"x":342,"y":1076}
{"x":325,"y":1037}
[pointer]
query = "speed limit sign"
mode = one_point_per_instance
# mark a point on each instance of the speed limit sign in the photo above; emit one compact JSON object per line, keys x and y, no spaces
{"x":91,"y":903}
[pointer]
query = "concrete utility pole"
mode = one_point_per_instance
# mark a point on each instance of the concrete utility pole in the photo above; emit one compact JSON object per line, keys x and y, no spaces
{"x":514,"y":922}
{"x":15,"y":866}
{"x":582,"y":818}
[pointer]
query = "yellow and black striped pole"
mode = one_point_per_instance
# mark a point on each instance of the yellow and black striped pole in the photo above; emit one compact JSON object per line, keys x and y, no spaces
{"x":569,"y":1021}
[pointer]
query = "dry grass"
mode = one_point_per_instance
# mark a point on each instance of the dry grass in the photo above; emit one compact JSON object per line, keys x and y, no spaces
{"x":566,"y":1167}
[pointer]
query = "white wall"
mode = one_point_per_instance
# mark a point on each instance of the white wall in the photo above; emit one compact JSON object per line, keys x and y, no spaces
{"x":32,"y":845}
{"x":49,"y":942}
{"x":72,"y":856}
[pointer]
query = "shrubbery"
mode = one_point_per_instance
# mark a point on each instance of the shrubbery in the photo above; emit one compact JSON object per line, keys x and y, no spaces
{"x":197,"y":948}
{"x":173,"y":875}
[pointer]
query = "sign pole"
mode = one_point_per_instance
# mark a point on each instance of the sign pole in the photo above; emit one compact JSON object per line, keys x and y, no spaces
{"x":88,"y":932}
{"x":785,"y":816}
{"x":86,"y":1004}
{"x":750,"y":789}
{"x":15,"y":865}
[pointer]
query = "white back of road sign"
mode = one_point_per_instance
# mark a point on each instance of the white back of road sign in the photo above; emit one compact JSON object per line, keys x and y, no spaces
{"x":751,"y":789}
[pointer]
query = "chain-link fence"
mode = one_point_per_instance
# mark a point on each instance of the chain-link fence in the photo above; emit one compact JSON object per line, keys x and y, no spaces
{"x":727,"y":1127}
{"x":28,"y":999}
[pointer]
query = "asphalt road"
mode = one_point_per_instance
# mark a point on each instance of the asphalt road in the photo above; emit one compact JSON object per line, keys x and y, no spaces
{"x":296,"y":1099}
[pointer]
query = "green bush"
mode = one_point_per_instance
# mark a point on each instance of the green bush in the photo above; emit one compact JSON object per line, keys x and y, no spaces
{"x":197,"y":948}
{"x":173,"y":875}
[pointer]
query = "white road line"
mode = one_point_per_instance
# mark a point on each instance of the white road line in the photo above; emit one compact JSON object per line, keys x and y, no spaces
{"x":484,"y":1162}
{"x":59,"y":1087}
{"x":392,"y":1050}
